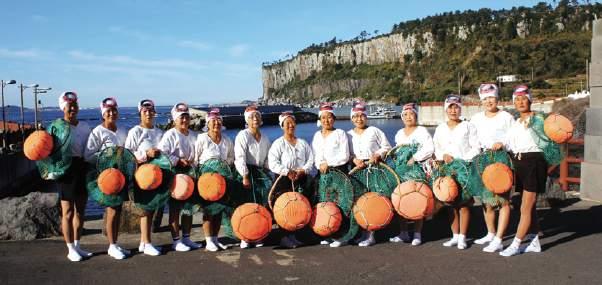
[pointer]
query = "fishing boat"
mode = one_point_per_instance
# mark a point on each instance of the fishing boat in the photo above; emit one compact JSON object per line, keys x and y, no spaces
{"x":382,"y":113}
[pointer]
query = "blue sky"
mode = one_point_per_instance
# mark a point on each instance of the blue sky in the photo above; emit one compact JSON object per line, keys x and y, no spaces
{"x":170,"y":51}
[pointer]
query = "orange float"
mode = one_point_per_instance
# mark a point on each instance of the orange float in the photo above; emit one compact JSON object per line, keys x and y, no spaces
{"x":558,"y":128}
{"x":373,"y":211}
{"x":148,"y":176}
{"x":445,"y":189}
{"x":292,"y":211}
{"x":413,"y":200}
{"x":326,"y":219}
{"x":251,"y":222}
{"x":497,"y":178}
{"x":38,"y":145}
{"x":181,"y":187}
{"x":212,"y":186}
{"x":111,"y":181}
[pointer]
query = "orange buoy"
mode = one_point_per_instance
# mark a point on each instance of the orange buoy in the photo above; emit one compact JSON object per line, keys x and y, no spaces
{"x":111,"y":181}
{"x":326,"y":219}
{"x":212,"y":186}
{"x":292,"y":211}
{"x":38,"y":145}
{"x":497,"y":178}
{"x":181,"y":187}
{"x":251,"y":222}
{"x":413,"y":200}
{"x":373,"y":211}
{"x":558,"y":128}
{"x":148,"y":176}
{"x":445,"y":189}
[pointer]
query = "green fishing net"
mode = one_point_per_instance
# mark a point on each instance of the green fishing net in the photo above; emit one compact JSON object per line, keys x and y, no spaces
{"x":379,"y":178}
{"x":469,"y":181}
{"x":58,"y":162}
{"x":398,"y":157}
{"x":152,"y":200}
{"x":551,"y":151}
{"x":283,"y":184}
{"x":483,"y":160}
{"x":335,"y":186}
{"x":112,"y":157}
{"x":224,"y":207}
{"x":261,"y":183}
{"x":191,"y":205}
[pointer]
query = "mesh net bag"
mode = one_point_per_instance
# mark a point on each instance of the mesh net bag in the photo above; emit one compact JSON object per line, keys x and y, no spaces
{"x":551,"y":150}
{"x":157,"y":198}
{"x":480,"y":162}
{"x":226,"y":205}
{"x":58,"y":162}
{"x":335,"y":186}
{"x":261,"y":183}
{"x":465,"y":175}
{"x":112,"y":157}
{"x":191,"y":205}
{"x":283,"y":184}
{"x":398,"y":157}
{"x":379,"y":178}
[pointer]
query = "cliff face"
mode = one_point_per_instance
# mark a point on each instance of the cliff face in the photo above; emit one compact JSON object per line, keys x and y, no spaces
{"x":416,"y":54}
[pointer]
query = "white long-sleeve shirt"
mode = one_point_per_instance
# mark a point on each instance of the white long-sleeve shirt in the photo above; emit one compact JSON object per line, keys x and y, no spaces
{"x":247,"y":150}
{"x":284,"y":156}
{"x":491,"y":130}
{"x":460,"y":142}
{"x":332,"y":149}
{"x":371,"y":141}
{"x":520,"y":139}
{"x":140,"y":139}
{"x":178,"y":146}
{"x":79,"y":138}
{"x":101,"y":138}
{"x":207,"y":149}
{"x":420,"y":136}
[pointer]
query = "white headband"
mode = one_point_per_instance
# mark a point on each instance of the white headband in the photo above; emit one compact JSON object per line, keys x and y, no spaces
{"x":488,"y":90}
{"x":175,"y":113}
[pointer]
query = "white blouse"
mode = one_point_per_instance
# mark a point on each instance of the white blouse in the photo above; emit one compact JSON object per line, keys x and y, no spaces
{"x":520,"y":138}
{"x":371,"y":141}
{"x":141,"y":139}
{"x":178,"y":146}
{"x":332,"y":149}
{"x":207,"y":149}
{"x":460,"y":142}
{"x":101,"y":138}
{"x":491,"y":130}
{"x":247,"y":150}
{"x":284,"y":156}
{"x":79,"y":138}
{"x":420,"y":136}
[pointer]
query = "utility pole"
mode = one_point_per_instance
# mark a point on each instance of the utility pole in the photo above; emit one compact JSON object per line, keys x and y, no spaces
{"x":587,"y":74}
{"x":22,"y":125}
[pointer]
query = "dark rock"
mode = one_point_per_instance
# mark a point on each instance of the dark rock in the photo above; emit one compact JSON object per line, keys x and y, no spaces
{"x":36,"y":215}
{"x":130,"y":219}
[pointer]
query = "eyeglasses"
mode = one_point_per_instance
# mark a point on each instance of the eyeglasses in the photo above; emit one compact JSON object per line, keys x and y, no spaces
{"x":109,"y":103}
{"x":70,"y":97}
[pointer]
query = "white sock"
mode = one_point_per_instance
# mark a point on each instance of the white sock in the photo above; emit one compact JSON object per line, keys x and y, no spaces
{"x":71,"y":247}
{"x":461,"y":238}
{"x":496,"y":240}
{"x":516,"y":242}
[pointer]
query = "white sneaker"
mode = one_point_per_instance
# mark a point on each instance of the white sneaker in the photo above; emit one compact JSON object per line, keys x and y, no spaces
{"x":326,"y":241}
{"x":369,"y":241}
{"x":363,"y":236}
{"x":494,"y":246}
{"x":74,"y":256}
{"x":259,"y":244}
{"x":191,"y":244}
{"x":210,"y":246}
{"x":123,"y":250}
{"x":141,"y":247}
{"x":486,"y":239}
{"x":179,"y":246}
{"x":219,"y":244}
{"x":337,"y":243}
{"x":416,"y":241}
{"x":286,"y":242}
{"x":401,"y":237}
{"x":534,"y":246}
{"x":244,"y":244}
{"x":510,"y":251}
{"x":115,"y":252}
{"x":453,"y":241}
{"x":462,"y":244}
{"x":151,"y":250}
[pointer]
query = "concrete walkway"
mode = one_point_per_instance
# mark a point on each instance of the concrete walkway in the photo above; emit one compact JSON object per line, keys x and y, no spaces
{"x":571,"y":243}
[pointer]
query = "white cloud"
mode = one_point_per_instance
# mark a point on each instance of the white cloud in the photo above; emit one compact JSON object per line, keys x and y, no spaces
{"x":26,"y":53}
{"x":238,"y":50}
{"x":200,"y":46}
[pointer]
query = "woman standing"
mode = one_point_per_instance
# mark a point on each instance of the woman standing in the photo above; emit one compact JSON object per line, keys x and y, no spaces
{"x":292,"y":158}
{"x":457,"y":140}
{"x":251,"y":148}
{"x":530,"y":169}
{"x":412,"y":134}
{"x":143,"y":140}
{"x":107,"y":134}
{"x":331,"y":150}
{"x":178,"y":144}
{"x":492,"y":126}
{"x":71,"y":186}
{"x":368,"y":146}
{"x":213,"y":145}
